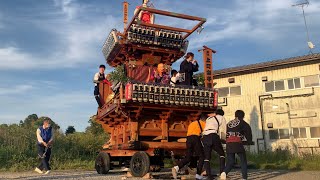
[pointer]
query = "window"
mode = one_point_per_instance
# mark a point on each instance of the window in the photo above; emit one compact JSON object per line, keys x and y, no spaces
{"x":235,"y":91}
{"x":284,"y":133}
{"x":223,"y":92}
{"x":269,"y":86}
{"x":299,"y":132}
{"x":310,"y":81}
{"x":274,"y":86}
{"x":273,"y":134}
{"x":315,"y":132}
{"x":229,"y":91}
{"x":279,"y":85}
{"x":294,"y":83}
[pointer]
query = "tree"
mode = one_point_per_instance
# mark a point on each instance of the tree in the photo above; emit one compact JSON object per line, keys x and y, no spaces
{"x":200,"y":79}
{"x":70,"y":130}
{"x":30,"y":120}
{"x":39,"y":122}
{"x":94,"y":127}
{"x":118,"y":75}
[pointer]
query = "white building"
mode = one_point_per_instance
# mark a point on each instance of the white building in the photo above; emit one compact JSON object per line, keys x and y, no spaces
{"x":277,"y":96}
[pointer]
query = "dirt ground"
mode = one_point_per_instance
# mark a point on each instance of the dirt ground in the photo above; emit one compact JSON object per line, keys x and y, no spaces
{"x":165,"y":174}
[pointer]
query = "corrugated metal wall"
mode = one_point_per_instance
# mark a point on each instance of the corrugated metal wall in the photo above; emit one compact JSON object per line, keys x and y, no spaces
{"x":252,"y":87}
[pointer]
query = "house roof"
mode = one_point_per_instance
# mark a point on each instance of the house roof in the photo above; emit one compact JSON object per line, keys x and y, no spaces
{"x":264,"y":66}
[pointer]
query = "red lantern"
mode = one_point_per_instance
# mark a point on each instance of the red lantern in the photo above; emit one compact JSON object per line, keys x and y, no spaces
{"x":128,"y":92}
{"x":215,"y":102}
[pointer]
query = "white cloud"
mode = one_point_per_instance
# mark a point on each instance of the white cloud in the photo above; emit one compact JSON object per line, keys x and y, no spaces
{"x":78,"y":42}
{"x":264,"y":23}
{"x":68,"y":7}
{"x":18,"y":89}
{"x":13,"y":58}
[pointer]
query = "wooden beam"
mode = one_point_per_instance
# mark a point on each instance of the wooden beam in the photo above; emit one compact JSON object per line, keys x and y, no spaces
{"x":166,"y":145}
{"x":150,"y":132}
{"x":172,"y":14}
{"x":177,"y":134}
{"x":126,"y":153}
{"x":158,"y":26}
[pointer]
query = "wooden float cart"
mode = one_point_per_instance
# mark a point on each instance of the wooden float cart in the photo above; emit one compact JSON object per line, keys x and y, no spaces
{"x":147,"y":121}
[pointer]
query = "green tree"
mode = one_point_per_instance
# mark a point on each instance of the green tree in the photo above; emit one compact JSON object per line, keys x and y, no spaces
{"x":94,"y":127}
{"x":118,"y":75}
{"x":200,"y":79}
{"x":70,"y":130}
{"x":39,"y":122}
{"x":29,"y":121}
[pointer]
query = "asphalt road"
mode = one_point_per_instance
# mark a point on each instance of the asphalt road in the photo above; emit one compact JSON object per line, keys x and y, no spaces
{"x":165,"y":174}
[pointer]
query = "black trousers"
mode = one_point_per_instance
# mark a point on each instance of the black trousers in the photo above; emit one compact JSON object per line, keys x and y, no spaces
{"x":212,"y":141}
{"x":96,"y":95}
{"x":194,"y":148}
{"x":44,"y":157}
{"x":243,"y":163}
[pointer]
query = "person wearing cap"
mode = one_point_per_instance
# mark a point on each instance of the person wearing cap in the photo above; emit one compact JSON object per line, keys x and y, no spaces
{"x":187,"y":68}
{"x":44,"y":142}
{"x":214,"y":131}
{"x":99,"y":77}
{"x":194,"y":147}
{"x":238,"y":134}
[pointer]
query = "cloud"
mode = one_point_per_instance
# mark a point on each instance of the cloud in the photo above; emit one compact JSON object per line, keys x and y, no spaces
{"x":76,"y":42}
{"x":79,"y":38}
{"x":19,"y":89}
{"x":14,"y":58}
{"x":68,"y":7}
{"x":260,"y":22}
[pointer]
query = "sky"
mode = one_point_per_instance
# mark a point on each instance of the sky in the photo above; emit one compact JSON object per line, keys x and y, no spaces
{"x":50,"y":49}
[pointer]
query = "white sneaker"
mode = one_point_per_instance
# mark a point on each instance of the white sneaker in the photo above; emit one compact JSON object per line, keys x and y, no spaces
{"x":223,"y":175}
{"x":125,"y":169}
{"x":199,"y":177}
{"x":38,"y":170}
{"x":47,"y":172}
{"x":175,"y":172}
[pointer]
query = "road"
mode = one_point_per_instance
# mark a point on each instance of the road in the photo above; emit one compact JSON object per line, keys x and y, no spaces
{"x":92,"y":175}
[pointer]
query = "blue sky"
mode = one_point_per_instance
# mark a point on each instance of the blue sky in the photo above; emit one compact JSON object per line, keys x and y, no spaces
{"x":49,"y":50}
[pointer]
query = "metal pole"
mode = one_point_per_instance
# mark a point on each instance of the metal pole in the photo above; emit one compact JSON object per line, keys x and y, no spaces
{"x":305,"y":23}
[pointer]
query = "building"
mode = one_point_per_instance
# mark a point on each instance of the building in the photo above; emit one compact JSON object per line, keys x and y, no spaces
{"x":281,"y":100}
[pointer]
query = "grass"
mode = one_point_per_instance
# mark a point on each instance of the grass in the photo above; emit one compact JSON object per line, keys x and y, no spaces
{"x":279,"y":160}
{"x":283,"y":160}
{"x":73,"y":151}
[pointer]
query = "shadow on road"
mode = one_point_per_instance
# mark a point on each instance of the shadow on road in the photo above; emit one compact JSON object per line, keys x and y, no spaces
{"x":234,"y":175}
{"x":68,"y":175}
{"x":164,"y":174}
